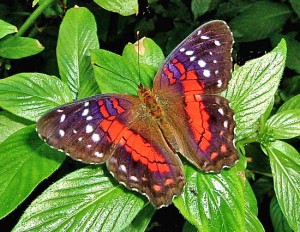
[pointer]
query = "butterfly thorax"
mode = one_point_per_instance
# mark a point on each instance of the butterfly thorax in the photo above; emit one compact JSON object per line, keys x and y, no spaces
{"x":149,"y":99}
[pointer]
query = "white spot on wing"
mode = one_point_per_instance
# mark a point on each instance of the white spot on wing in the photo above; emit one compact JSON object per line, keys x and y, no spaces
{"x":199,"y":32}
{"x":219,"y":83}
{"x":89,"y":146}
{"x":98,"y":154}
{"x":215,"y":61}
{"x":189,"y":52}
{"x":204,"y":37}
{"x":88,"y":129}
{"x":89,"y":118}
{"x":95,"y":137}
{"x":85,"y":112}
{"x":62,"y":118}
{"x":192,"y":58}
{"x":221,"y":111}
{"x":80,"y":139}
{"x":133,"y":178}
{"x":182,"y":49}
{"x":217,"y":43}
{"x":206,"y":73}
{"x":86,"y":103}
{"x":62,"y":133}
{"x":210,"y":53}
{"x":201,"y":63}
{"x":75,"y":131}
{"x":123,"y":168}
{"x":217,"y":71}
{"x":59,"y":111}
{"x":225,"y":124}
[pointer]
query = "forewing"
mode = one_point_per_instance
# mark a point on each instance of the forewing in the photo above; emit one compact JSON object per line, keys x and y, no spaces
{"x":83,"y":129}
{"x":201,"y":63}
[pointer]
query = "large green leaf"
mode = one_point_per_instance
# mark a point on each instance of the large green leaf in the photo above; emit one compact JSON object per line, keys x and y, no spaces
{"x":77,"y":37}
{"x":271,"y":16}
{"x":12,"y":47}
{"x":296,"y":6}
{"x":123,"y":7}
{"x":85,"y":200}
{"x":252,"y":88}
{"x":212,"y":202}
{"x":149,"y":53}
{"x":200,"y":7}
{"x":30,"y":95}
{"x":117,"y":74}
{"x":284,"y":125}
{"x":10,"y":123}
{"x":6,"y":28}
{"x":285,"y":164}
{"x":278,"y":219}
{"x":25,"y":160}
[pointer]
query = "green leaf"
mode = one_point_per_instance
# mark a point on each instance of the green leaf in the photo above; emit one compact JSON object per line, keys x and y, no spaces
{"x":77,"y":37}
{"x":188,"y":227}
{"x":88,"y":88}
{"x":293,"y":103}
{"x":116,"y":74}
{"x":124,"y":7}
{"x":18,"y":47}
{"x":212,"y":202}
{"x":285,"y":164}
{"x":150,"y":53}
{"x":252,"y":88}
{"x":296,"y":6}
{"x":30,"y":95}
{"x":272,"y":16}
{"x":278,"y":220}
{"x":293,"y":50}
{"x":25,"y":160}
{"x":85,"y":200}
{"x":251,"y":221}
{"x":34,"y":2}
{"x":9,"y":124}
{"x":142,"y":220}
{"x":200,"y":7}
{"x":6,"y":28}
{"x":284,"y":125}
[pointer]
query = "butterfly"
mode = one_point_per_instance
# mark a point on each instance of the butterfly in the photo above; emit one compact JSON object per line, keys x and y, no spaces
{"x":139,"y":138}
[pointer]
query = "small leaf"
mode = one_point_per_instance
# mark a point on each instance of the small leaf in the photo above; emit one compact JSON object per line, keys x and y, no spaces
{"x":10,"y":124}
{"x":261,"y":187}
{"x":6,"y":28}
{"x":200,"y":7}
{"x":124,"y":7}
{"x":34,"y":2}
{"x":285,"y":166}
{"x":284,"y":125}
{"x":212,"y":202}
{"x":278,"y":219}
{"x":30,"y":95}
{"x":77,"y":37}
{"x":85,"y":200}
{"x":150,"y":53}
{"x":142,"y":220}
{"x":293,"y":103}
{"x":272,"y":16}
{"x":116,"y":74}
{"x":19,"y":47}
{"x":252,"y":88}
{"x":25,"y":160}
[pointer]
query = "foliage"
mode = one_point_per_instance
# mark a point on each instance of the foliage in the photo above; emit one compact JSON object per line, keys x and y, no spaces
{"x":35,"y":79}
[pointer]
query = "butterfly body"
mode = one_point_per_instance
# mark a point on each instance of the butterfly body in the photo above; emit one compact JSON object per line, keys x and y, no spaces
{"x":139,"y":138}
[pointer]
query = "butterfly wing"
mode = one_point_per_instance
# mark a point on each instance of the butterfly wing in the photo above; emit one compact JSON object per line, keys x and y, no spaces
{"x":116,"y":129}
{"x":203,"y":123}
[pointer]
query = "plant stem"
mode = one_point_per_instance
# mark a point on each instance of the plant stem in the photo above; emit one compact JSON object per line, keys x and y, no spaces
{"x":33,"y":17}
